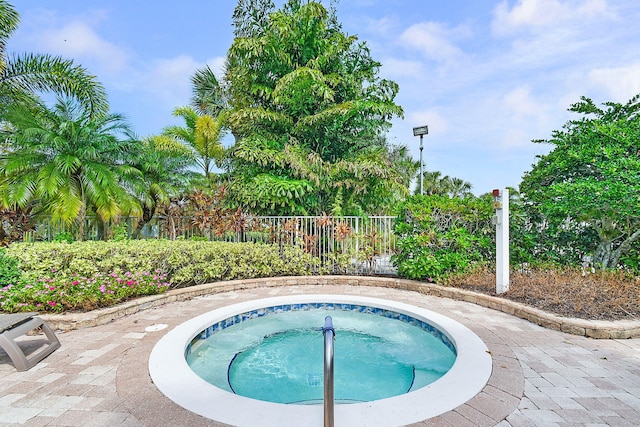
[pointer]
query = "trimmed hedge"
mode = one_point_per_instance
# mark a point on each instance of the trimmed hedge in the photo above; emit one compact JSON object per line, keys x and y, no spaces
{"x":185,"y":263}
{"x":89,"y":275}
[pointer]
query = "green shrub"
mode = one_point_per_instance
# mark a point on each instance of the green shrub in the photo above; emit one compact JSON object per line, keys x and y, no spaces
{"x":62,"y":293}
{"x":438,"y":236}
{"x":87,"y":275}
{"x":9,"y":272}
{"x":120,"y":233}
{"x":64,"y":236}
{"x":184,"y":262}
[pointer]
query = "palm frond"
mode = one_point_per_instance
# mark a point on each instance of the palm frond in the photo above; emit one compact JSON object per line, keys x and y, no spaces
{"x":34,"y":73}
{"x":207,"y":96}
{"x":9,"y":20}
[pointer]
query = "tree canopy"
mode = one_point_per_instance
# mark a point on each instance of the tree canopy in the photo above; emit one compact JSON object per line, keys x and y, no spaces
{"x":308,"y":110}
{"x":69,"y":161}
{"x":585,"y":194}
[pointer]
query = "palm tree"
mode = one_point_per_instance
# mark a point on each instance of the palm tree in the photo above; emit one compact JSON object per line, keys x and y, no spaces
{"x":202,"y":134}
{"x":71,"y":162}
{"x":406,"y":165}
{"x":22,"y":76}
{"x":437,"y":185}
{"x":163,"y":163}
{"x":459,"y":188}
{"x":208,"y":97}
{"x":433,"y":184}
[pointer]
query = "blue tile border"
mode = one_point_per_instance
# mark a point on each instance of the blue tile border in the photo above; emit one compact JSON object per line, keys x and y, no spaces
{"x":260,"y":312}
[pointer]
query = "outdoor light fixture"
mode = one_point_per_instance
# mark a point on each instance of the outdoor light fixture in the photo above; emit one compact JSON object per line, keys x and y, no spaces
{"x":421,"y":131}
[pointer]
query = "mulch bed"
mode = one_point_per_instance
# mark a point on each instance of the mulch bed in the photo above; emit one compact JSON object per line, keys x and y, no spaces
{"x":568,"y":293}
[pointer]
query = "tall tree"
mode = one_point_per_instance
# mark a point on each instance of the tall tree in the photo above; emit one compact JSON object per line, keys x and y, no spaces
{"x":308,"y":109}
{"x":584,"y":195}
{"x":68,"y":160}
{"x":23,"y":76}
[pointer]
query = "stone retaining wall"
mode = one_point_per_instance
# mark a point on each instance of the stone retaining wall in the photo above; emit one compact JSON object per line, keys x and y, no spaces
{"x":590,"y":328}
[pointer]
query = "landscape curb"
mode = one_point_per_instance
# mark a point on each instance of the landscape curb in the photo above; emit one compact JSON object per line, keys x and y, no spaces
{"x":600,"y":329}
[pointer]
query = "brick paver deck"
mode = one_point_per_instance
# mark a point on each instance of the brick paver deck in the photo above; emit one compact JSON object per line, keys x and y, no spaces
{"x":541,"y":377}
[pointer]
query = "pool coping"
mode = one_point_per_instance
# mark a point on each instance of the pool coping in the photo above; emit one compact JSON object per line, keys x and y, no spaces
{"x":467,"y":377}
{"x":600,"y":329}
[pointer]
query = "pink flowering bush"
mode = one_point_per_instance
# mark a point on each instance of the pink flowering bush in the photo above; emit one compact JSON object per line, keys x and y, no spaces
{"x":82,"y":276}
{"x":60,"y":293}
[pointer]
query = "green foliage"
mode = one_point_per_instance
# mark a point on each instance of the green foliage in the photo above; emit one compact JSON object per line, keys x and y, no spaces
{"x":184,"y":262}
{"x":65,"y":236}
{"x":24,"y":76}
{"x":202,"y":134}
{"x":439,"y":236}
{"x":9,"y":271}
{"x":70,"y":162}
{"x":436,"y":184}
{"x":583,"y":197}
{"x":75,"y":292}
{"x":120,"y":233}
{"x":164,"y":165}
{"x":308,"y":110}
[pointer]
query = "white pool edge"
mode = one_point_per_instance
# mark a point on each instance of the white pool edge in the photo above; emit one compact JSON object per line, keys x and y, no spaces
{"x":174,"y":378}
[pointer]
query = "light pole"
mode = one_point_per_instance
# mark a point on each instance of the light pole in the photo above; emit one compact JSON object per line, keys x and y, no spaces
{"x":421,"y":131}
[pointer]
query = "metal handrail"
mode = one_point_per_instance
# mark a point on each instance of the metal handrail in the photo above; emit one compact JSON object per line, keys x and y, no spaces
{"x":329,"y":336}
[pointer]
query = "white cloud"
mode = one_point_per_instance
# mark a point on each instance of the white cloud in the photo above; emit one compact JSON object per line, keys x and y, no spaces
{"x":438,"y":125}
{"x":434,"y":40}
{"x":78,"y":40}
{"x":621,"y":83}
{"x":394,"y":68}
{"x":170,"y":79}
{"x":382,"y":26}
{"x":520,"y":103}
{"x":217,"y":65}
{"x":540,"y":14}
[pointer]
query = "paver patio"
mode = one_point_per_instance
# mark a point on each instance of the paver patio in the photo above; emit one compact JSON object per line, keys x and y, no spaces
{"x":541,"y":377}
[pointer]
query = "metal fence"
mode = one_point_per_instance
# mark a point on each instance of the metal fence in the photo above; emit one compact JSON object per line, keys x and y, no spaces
{"x":359,"y":245}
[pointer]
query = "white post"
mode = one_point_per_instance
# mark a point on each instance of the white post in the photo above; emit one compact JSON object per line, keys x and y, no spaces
{"x":501,"y":205}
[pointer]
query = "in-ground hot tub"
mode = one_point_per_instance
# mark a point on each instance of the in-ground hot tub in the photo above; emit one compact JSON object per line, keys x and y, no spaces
{"x":174,"y":377}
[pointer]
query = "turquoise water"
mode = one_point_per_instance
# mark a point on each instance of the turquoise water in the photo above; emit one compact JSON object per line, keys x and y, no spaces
{"x":279,"y":357}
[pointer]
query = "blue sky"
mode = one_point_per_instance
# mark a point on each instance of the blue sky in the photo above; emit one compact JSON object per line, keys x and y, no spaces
{"x":486,"y":76}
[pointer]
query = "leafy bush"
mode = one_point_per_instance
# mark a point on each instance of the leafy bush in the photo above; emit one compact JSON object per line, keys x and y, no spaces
{"x":9,"y":272}
{"x":64,"y":236}
{"x":86,"y":275}
{"x":62,"y":293}
{"x":438,"y":236}
{"x":119,"y":233}
{"x":184,"y":262}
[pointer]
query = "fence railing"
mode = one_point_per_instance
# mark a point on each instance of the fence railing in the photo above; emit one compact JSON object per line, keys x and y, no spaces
{"x":363,"y":244}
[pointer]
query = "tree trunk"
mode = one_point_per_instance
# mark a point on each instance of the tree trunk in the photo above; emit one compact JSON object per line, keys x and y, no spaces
{"x":147,"y":215}
{"x":624,"y":248}
{"x":100,"y":226}
{"x":81,"y":217}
